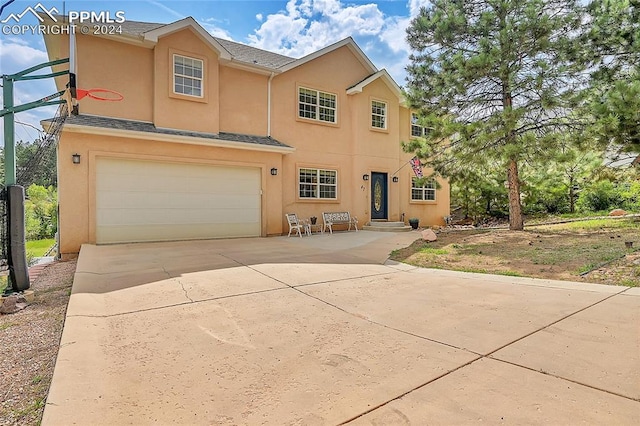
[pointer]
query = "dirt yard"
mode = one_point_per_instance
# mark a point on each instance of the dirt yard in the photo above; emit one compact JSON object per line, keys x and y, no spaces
{"x":590,"y":251}
{"x":29,"y":341}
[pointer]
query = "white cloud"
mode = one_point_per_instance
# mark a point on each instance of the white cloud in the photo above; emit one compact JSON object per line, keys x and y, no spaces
{"x":19,"y":54}
{"x":309,"y":25}
{"x":215,"y":30}
{"x":259,"y":17}
{"x":305,"y":26}
{"x":16,"y":55}
{"x":415,"y":5}
{"x":394,"y":34}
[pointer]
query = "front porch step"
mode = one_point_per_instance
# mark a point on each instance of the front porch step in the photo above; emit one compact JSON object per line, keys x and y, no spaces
{"x":386,"y":227}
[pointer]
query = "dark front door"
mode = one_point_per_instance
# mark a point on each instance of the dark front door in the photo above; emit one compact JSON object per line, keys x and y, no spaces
{"x":378,"y":195}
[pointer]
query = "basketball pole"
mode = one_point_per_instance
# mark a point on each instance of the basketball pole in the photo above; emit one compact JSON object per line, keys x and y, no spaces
{"x":17,"y":255}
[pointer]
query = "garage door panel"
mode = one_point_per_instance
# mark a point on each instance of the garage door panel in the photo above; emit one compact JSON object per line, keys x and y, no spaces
{"x":167,"y":217}
{"x":216,"y":180}
{"x":134,"y":200}
{"x":137,"y":183}
{"x":162,"y":233}
{"x":156,"y":201}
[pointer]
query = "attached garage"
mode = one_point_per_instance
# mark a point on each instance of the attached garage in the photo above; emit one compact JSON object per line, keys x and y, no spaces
{"x":162,"y":201}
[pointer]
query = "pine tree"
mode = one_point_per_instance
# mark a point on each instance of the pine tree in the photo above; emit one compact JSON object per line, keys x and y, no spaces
{"x":493,"y":79}
{"x":613,"y":53}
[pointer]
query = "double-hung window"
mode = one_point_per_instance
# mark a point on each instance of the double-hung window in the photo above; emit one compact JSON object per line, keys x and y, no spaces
{"x":317,"y":105}
{"x":416,"y":129}
{"x":187,"y":76}
{"x":378,"y":115}
{"x":425,"y":192}
{"x":318,"y":184}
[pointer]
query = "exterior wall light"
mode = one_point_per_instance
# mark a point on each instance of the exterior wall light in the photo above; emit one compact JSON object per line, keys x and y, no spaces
{"x":274,"y":171}
{"x":75,"y":158}
{"x":365,"y":177}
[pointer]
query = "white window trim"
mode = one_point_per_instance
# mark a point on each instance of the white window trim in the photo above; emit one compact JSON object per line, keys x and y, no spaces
{"x":318,"y":106}
{"x":428,"y":187}
{"x":385,"y":116}
{"x":317,"y":184}
{"x":201,"y":79}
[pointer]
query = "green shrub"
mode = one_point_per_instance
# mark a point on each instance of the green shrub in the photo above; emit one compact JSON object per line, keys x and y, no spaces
{"x":604,"y":195}
{"x":600,"y":195}
{"x":41,"y":212}
{"x":629,"y":195}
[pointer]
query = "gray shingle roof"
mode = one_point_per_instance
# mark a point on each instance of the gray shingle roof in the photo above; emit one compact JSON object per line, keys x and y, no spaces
{"x":251,"y":55}
{"x":137,"y":126}
{"x":239,"y":52}
{"x":129,"y":28}
{"x":137,"y":29}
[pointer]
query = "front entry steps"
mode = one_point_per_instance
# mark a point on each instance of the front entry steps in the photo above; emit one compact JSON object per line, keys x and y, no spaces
{"x":382,"y":226}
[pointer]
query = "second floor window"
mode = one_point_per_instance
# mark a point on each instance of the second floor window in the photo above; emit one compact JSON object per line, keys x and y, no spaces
{"x":416,"y":129}
{"x":316,"y":105}
{"x":187,"y":76}
{"x":378,"y":115}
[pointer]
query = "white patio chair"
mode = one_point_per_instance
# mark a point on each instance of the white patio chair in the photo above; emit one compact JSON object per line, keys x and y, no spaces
{"x":296,"y":225}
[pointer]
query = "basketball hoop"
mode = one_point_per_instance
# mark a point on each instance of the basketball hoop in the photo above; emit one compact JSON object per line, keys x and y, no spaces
{"x":100,"y":94}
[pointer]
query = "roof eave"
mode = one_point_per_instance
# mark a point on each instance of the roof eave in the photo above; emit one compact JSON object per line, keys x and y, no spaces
{"x":129,"y":39}
{"x":161,"y":137}
{"x":247,"y":66}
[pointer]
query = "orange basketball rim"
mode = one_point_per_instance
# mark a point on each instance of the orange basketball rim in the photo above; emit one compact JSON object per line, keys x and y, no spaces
{"x":100,"y":94}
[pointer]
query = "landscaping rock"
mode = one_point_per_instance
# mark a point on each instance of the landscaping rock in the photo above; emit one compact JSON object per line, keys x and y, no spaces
{"x":617,"y":212}
{"x":13,"y":304}
{"x":429,"y":235}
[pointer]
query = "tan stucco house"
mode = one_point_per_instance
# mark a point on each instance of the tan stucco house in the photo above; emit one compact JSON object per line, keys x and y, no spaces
{"x":218,"y":139}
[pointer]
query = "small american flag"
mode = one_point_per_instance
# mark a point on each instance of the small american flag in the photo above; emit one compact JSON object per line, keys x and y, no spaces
{"x":416,"y":166}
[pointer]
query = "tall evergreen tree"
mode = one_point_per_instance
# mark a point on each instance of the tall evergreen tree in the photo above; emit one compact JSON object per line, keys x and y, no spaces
{"x":493,"y":78}
{"x":613,"y":53}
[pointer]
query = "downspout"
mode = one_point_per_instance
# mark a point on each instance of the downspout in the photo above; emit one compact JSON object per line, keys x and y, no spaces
{"x":269,"y":104}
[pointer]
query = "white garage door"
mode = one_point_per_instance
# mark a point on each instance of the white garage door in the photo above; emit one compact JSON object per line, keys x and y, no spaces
{"x":157,"y":201}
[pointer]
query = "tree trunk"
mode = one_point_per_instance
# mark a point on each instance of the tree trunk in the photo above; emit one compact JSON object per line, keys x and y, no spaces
{"x":572,"y":196}
{"x":516,"y":221}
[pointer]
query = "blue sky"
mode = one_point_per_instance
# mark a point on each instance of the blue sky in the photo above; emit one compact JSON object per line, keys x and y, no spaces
{"x":293,"y":28}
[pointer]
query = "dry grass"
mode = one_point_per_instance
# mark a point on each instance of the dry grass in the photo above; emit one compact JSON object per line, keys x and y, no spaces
{"x":590,"y":251}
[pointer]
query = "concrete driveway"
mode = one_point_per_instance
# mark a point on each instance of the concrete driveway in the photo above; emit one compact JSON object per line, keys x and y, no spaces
{"x":324,"y":330}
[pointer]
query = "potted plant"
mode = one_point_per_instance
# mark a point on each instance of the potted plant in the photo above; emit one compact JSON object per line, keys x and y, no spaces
{"x":313,"y":220}
{"x":414,"y":222}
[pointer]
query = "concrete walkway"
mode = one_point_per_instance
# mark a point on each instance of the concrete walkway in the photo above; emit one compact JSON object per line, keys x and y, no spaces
{"x":323,"y":330}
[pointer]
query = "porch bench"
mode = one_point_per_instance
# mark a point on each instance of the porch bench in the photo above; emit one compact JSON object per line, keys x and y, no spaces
{"x":338,"y":218}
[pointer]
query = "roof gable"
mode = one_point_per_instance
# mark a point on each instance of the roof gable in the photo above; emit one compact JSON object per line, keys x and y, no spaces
{"x":386,"y":79}
{"x":348,"y":42}
{"x":185,"y":23}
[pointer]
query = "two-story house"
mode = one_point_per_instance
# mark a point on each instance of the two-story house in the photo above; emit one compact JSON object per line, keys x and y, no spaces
{"x":218,"y":139}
